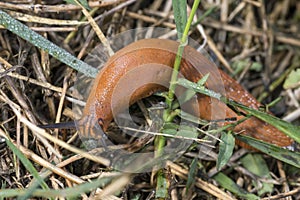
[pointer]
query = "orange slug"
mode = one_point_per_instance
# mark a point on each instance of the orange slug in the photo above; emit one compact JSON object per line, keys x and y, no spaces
{"x":146,"y":61}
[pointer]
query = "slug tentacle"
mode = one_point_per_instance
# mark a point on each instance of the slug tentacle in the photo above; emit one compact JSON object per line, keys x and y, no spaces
{"x":61,"y":125}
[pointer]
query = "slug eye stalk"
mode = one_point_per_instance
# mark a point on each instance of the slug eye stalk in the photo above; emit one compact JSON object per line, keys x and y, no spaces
{"x":61,"y":125}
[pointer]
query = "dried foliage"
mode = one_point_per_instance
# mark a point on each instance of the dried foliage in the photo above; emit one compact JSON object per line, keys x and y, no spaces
{"x":255,"y":41}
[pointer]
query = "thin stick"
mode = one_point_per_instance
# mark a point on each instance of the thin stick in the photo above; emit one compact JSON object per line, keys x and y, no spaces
{"x":38,"y":8}
{"x":96,"y":28}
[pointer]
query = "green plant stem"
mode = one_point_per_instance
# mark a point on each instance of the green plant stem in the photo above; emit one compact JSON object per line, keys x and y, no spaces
{"x":183,"y":43}
{"x":39,"y":41}
{"x":206,"y":14}
{"x":167,"y":115}
{"x":174,"y":77}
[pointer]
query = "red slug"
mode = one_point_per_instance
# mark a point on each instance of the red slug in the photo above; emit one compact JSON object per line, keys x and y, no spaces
{"x":145,"y":62}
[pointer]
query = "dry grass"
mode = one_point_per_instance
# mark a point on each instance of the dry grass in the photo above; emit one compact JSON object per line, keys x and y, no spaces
{"x":34,"y":90}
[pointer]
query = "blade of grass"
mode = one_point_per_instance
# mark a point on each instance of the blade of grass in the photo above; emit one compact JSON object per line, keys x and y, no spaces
{"x":186,"y":96}
{"x":286,"y":127}
{"x":30,"y":190}
{"x":39,"y":41}
{"x":192,"y":174}
{"x":230,"y":185}
{"x":180,"y":15}
{"x":72,"y":192}
{"x":202,"y":17}
{"x":285,"y":155}
{"x":226,"y":149}
{"x":27,"y":164}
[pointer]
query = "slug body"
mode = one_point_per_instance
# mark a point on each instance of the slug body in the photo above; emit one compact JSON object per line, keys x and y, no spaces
{"x":144,"y":67}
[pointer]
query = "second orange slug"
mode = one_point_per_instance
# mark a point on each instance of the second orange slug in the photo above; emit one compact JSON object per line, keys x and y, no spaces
{"x":145,"y":61}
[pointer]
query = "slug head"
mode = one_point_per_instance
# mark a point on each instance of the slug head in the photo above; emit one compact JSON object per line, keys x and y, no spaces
{"x":87,"y":126}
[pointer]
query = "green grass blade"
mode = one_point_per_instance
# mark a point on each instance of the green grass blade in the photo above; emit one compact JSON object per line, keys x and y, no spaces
{"x":286,"y":127}
{"x":72,"y":192}
{"x":27,"y":164}
{"x":287,"y":156}
{"x":226,"y":149}
{"x":192,"y":174}
{"x":188,"y":94}
{"x":206,"y":14}
{"x":197,"y":88}
{"x":180,"y":15}
{"x":39,"y":41}
{"x":230,"y":185}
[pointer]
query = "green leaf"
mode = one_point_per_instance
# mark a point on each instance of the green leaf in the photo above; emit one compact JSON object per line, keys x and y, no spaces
{"x":188,"y":94}
{"x":170,"y":128}
{"x":240,"y":65}
{"x":203,"y":80}
{"x":287,"y":156}
{"x":84,"y":3}
{"x":186,"y":131}
{"x":226,"y":149}
{"x":192,"y":174}
{"x":286,"y":127}
{"x":180,"y":15}
{"x":192,"y":118}
{"x":200,"y":89}
{"x":292,"y":79}
{"x":230,"y":185}
{"x":258,"y":166}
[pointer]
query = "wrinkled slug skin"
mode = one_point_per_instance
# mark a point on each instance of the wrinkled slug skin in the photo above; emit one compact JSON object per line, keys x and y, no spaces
{"x":193,"y":66}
